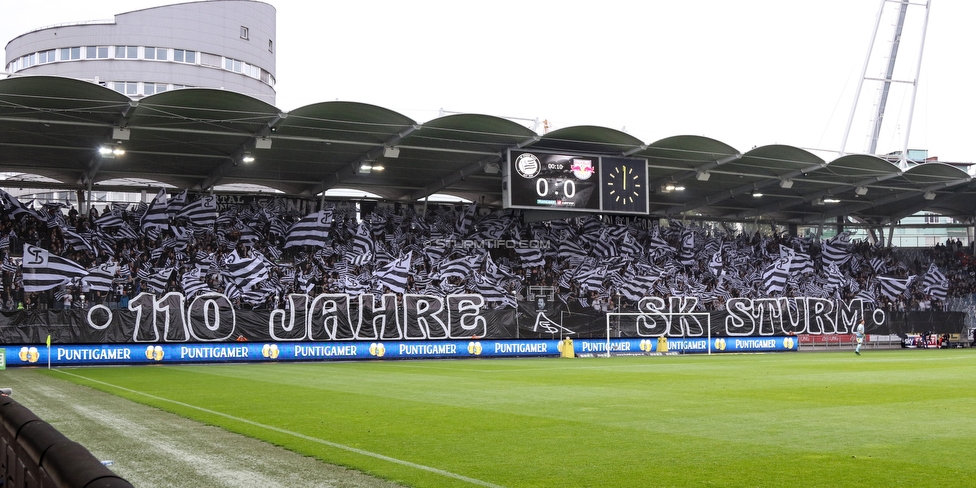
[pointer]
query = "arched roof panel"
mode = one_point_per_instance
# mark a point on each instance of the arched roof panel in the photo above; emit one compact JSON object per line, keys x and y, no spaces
{"x":589,"y":139}
{"x":195,"y":138}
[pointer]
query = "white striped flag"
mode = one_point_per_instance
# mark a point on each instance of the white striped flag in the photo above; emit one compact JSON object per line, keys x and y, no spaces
{"x":893,"y":286}
{"x":176,"y":204}
{"x":361,"y":250}
{"x":43,"y":270}
{"x":493,"y":293}
{"x":155,"y":215}
{"x":530,"y":257}
{"x":157,"y":281}
{"x":687,"y":255}
{"x":201,"y":212}
{"x":933,"y":277}
{"x":715,"y":264}
{"x":465,"y":220}
{"x":460,"y":267}
{"x":100,"y":277}
{"x":16,"y":208}
{"x":935,"y":283}
{"x":775,"y":275}
{"x":313,"y":230}
{"x":246,"y":272}
{"x":837,"y":250}
{"x":193,"y":284}
{"x":394,"y":275}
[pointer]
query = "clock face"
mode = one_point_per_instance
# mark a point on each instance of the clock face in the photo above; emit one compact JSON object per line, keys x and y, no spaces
{"x":624,"y":185}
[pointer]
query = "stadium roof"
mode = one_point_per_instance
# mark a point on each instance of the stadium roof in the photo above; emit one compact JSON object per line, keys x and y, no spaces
{"x":195,"y":139}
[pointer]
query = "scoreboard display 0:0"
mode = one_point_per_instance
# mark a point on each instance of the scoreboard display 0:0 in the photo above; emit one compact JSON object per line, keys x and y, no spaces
{"x":555,"y":181}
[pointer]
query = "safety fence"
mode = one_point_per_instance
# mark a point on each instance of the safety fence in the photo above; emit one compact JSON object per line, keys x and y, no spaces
{"x":36,"y":455}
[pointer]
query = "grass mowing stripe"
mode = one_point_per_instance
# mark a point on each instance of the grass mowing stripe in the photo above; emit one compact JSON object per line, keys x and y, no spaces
{"x":336,"y":445}
{"x":893,"y":417}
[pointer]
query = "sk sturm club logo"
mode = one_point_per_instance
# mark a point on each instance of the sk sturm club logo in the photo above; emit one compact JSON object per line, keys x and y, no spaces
{"x":154,"y":353}
{"x":474,"y":348}
{"x":788,"y":343}
{"x":29,"y":354}
{"x":270,"y":351}
{"x":646,"y":345}
{"x":527,"y":165}
{"x":377,"y":349}
{"x":720,"y":344}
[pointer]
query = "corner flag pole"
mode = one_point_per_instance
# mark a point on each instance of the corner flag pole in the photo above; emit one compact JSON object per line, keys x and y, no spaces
{"x":49,"y":351}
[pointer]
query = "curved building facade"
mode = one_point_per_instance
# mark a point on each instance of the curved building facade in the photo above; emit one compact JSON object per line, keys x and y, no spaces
{"x":225,"y":44}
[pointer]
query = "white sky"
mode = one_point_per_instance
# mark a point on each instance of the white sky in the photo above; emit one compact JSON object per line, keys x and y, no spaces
{"x":745,"y":72}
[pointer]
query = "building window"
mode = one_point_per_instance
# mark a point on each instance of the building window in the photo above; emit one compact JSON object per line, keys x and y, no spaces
{"x":243,"y":32}
{"x":126,"y":87}
{"x":157,"y":53}
{"x":70,"y":53}
{"x":96,"y":52}
{"x":46,"y":56}
{"x":126,"y":52}
{"x":153,"y":88}
{"x":233,"y":65}
{"x":182,"y":56}
{"x":211,"y":60}
{"x":270,"y":46}
{"x":931,"y":218}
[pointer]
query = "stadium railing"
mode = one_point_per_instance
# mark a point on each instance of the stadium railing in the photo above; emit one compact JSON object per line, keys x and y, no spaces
{"x":33,"y":454}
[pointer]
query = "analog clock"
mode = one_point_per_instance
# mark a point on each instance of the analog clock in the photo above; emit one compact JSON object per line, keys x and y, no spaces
{"x":624,"y":185}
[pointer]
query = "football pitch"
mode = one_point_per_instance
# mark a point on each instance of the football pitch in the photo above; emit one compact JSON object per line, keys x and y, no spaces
{"x":886,"y":418}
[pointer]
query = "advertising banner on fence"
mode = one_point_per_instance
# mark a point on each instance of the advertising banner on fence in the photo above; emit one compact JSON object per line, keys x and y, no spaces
{"x":106,"y":354}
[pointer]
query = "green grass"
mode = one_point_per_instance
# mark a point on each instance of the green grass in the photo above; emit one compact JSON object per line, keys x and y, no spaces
{"x":887,"y":418}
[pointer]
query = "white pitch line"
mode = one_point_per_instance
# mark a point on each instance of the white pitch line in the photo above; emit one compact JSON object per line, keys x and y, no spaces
{"x":298,"y":435}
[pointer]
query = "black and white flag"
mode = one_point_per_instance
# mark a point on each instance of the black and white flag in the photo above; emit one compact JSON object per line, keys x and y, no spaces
{"x":394,"y":275}
{"x":44,"y":271}
{"x":313,"y":230}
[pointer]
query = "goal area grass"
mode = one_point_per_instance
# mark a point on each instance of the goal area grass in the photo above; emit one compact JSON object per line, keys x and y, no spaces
{"x":885,"y":418}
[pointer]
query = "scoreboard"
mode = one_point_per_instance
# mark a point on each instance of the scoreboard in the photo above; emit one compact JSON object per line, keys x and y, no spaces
{"x":575,"y":182}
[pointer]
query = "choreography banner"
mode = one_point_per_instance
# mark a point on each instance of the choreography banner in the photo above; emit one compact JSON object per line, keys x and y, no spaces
{"x":211,"y":318}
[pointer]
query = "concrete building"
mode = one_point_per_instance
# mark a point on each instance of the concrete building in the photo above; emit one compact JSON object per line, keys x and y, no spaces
{"x":226,"y":44}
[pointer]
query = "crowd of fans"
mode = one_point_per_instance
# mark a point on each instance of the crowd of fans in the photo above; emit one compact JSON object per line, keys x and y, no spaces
{"x":599,"y":263}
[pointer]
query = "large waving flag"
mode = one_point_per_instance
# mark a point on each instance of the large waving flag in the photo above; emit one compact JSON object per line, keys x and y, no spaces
{"x":837,"y":250}
{"x":13,"y":205}
{"x":687,"y":255}
{"x":201,"y":212}
{"x":156,"y":215}
{"x":313,"y":230}
{"x":362,"y":249}
{"x":100,"y":277}
{"x":715,"y":264}
{"x":892,"y":286}
{"x":44,"y":271}
{"x":530,"y":257}
{"x":465,"y":222}
{"x":246,"y":272}
{"x":461,"y":268}
{"x":775,"y":276}
{"x":935,"y":283}
{"x":394,"y":275}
